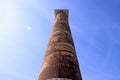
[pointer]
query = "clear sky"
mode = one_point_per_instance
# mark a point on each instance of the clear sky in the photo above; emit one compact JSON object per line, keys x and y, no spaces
{"x":25,"y":27}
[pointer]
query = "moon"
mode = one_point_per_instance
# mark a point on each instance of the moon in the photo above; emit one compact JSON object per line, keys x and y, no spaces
{"x":29,"y":28}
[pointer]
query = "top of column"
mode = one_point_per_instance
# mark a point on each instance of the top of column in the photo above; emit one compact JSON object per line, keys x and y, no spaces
{"x":62,"y":11}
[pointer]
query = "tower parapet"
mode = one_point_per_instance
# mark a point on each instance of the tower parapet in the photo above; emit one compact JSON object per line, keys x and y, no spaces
{"x":59,"y":11}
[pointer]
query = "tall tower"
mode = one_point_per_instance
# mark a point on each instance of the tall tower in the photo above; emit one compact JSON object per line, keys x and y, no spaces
{"x":60,"y":61}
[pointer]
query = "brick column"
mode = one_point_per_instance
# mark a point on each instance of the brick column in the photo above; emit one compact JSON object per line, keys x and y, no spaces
{"x":60,"y":61}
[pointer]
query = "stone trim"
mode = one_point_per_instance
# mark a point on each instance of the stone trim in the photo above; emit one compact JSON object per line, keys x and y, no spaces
{"x":58,"y":79}
{"x":53,"y":33}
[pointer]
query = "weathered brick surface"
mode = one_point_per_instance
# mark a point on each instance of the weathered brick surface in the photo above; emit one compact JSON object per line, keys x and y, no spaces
{"x":60,"y":62}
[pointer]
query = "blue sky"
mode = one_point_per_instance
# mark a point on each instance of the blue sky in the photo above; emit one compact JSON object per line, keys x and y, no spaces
{"x":95,"y":26}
